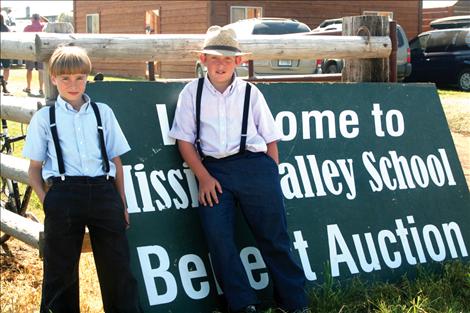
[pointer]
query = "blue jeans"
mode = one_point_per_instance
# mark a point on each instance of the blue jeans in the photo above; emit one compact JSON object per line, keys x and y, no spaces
{"x":252,"y":181}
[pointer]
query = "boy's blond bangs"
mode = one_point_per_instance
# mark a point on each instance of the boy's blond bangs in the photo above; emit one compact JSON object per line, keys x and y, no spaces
{"x":69,"y":60}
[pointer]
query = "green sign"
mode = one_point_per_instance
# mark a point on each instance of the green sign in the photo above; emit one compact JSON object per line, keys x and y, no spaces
{"x":370,"y":176}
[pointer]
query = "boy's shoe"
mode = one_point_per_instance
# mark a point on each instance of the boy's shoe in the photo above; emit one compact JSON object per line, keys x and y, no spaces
{"x":27,"y":90}
{"x":248,"y":309}
{"x":41,"y":93}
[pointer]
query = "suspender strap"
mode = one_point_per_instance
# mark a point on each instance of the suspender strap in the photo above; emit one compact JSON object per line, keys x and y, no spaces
{"x":55,"y":138}
{"x":104,"y":155}
{"x":246,"y":109}
{"x":200,"y":84}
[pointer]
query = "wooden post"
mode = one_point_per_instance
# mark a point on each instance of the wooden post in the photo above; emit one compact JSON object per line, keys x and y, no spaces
{"x":393,"y":56}
{"x":51,"y":90}
{"x":366,"y":70}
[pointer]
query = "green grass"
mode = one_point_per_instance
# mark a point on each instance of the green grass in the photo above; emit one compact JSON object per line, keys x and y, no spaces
{"x":443,"y":289}
{"x":446,"y":288}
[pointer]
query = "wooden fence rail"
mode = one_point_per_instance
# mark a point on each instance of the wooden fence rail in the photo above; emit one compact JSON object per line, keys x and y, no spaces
{"x":39,"y":46}
{"x":19,"y":109}
{"x":21,"y":228}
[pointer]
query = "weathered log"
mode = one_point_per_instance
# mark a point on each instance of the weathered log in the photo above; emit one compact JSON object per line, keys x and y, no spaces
{"x":165,"y":47}
{"x":369,"y":70}
{"x":19,"y":46}
{"x":14,"y":168}
{"x":20,"y":227}
{"x":19,"y":109}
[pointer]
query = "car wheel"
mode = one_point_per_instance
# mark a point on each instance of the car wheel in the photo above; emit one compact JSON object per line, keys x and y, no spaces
{"x":463,"y":80}
{"x":199,"y":71}
{"x":332,"y":68}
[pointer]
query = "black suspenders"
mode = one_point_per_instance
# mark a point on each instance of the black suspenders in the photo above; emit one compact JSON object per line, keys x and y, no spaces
{"x":55,"y":138}
{"x":246,"y":109}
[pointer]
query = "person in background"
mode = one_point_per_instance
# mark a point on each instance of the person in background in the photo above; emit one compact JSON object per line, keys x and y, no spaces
{"x":35,"y":27}
{"x":4,"y":63}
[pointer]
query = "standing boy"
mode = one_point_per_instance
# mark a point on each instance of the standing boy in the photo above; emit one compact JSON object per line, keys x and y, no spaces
{"x":75,"y":146}
{"x":227,"y":136}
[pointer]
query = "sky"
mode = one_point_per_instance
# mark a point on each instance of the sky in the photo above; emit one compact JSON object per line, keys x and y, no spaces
{"x":59,"y":6}
{"x":40,"y":7}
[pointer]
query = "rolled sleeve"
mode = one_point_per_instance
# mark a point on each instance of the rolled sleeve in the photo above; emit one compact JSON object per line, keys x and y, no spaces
{"x":264,"y":120}
{"x":35,"y":147}
{"x":184,"y":122}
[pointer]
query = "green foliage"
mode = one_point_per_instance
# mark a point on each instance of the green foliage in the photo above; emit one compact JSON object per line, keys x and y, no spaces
{"x":445,"y":288}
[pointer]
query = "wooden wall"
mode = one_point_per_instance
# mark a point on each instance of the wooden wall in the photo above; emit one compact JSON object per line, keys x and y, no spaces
{"x":177,"y":17}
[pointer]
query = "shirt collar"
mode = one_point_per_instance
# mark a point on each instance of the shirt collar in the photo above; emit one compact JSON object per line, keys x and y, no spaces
{"x":61,"y":103}
{"x":230,"y":89}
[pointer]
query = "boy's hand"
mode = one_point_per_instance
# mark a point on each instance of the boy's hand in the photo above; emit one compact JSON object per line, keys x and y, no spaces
{"x":126,"y":218}
{"x":208,"y":188}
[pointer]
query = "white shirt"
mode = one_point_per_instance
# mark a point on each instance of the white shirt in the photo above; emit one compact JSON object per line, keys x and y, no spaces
{"x":221,"y":119}
{"x":78,"y":139}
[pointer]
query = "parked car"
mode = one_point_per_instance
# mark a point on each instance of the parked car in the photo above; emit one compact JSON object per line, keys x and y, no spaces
{"x":459,"y":21}
{"x":269,"y":26}
{"x":442,"y":56}
{"x":404,"y":66}
{"x":329,"y":25}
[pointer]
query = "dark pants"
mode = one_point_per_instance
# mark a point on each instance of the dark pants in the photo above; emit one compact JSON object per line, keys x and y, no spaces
{"x":252,"y":180}
{"x":69,"y":207}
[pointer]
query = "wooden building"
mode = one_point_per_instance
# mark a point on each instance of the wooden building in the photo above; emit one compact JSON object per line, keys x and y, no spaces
{"x":194,"y":17}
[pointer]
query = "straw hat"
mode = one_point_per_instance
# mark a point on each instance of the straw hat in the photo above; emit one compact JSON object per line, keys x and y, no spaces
{"x":221,"y":41}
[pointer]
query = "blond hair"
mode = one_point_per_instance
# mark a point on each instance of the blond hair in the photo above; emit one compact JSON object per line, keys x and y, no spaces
{"x":69,"y":60}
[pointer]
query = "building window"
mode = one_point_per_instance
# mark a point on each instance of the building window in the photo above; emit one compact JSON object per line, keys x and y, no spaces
{"x":380,"y":13}
{"x":93,"y":23}
{"x":241,"y":13}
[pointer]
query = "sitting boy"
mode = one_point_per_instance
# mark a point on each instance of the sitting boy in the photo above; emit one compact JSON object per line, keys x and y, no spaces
{"x":226,"y":134}
{"x":75,"y":147}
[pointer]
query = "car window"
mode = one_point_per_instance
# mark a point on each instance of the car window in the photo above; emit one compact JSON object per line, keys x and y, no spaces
{"x":400,"y":39}
{"x":419,"y":43}
{"x":441,"y":41}
{"x":272,"y":28}
{"x":461,"y":42}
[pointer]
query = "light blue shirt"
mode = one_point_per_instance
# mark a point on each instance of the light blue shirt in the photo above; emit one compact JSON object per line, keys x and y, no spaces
{"x":78,"y":139}
{"x":221,"y":119}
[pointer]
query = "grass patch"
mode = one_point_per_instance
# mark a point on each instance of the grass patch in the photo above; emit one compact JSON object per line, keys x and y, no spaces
{"x":454,"y":93}
{"x":446,"y":288}
{"x":458,"y":116}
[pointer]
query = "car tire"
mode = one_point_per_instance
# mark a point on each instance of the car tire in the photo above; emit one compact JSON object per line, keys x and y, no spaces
{"x":463,"y":80}
{"x":332,"y":68}
{"x":199,"y":71}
